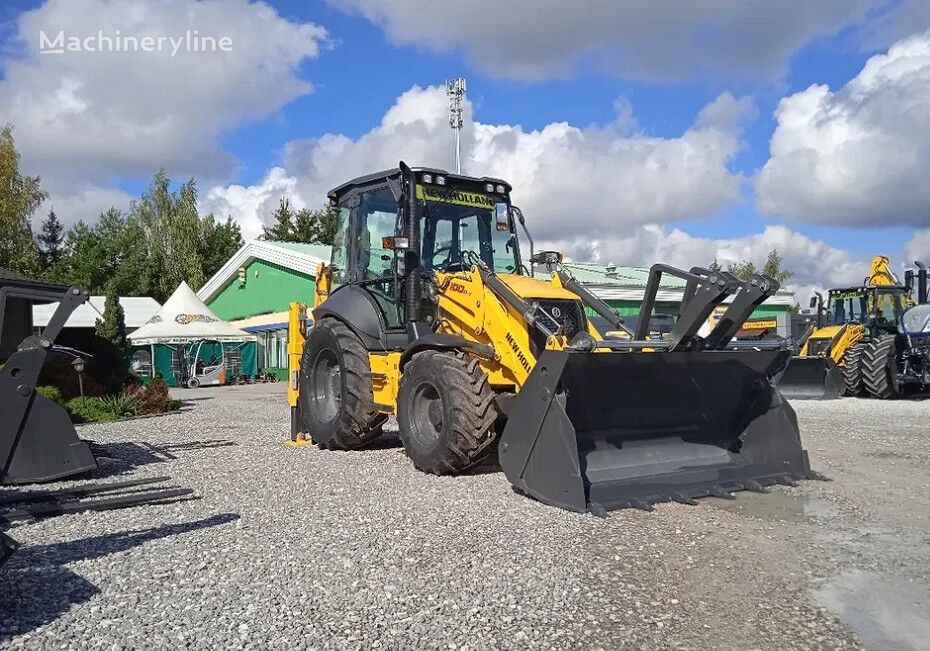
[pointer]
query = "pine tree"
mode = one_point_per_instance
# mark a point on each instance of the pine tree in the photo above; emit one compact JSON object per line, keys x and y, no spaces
{"x":282,"y":228}
{"x":51,"y":241}
{"x":772,"y":267}
{"x":20,"y":196}
{"x":316,"y":226}
{"x":112,"y":327}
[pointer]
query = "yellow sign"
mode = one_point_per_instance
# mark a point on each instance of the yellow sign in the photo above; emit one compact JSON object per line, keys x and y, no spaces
{"x":458,"y":197}
{"x":760,"y":325}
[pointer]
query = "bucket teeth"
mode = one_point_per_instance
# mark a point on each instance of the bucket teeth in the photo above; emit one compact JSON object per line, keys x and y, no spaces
{"x":718,"y":491}
{"x":683,"y":499}
{"x":786,"y":480}
{"x":641,"y":505}
{"x":754,"y":486}
{"x":597,"y":510}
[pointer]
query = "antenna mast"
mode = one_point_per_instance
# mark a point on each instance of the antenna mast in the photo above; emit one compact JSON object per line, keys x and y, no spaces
{"x":455,"y":89}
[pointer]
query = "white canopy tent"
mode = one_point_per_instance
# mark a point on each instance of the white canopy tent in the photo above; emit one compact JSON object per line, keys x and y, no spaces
{"x":184,"y":334}
{"x":185,"y":318}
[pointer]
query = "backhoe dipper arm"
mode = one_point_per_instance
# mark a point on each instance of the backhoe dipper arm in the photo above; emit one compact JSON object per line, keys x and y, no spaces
{"x":750,"y":296}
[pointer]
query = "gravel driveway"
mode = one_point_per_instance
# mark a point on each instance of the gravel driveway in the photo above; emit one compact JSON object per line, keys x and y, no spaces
{"x":303,"y":548}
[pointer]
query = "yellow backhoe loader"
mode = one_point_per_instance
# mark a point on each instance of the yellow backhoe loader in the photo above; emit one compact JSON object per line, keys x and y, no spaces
{"x":429,"y":312}
{"x":828,"y":361}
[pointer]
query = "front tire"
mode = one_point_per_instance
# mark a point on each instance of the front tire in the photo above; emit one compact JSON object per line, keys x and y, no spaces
{"x":879,"y":367}
{"x":852,"y":371}
{"x":337,"y":405}
{"x":446,"y":412}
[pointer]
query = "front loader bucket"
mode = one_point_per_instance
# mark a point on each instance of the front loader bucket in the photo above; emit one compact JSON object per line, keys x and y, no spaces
{"x":811,"y":378}
{"x":37,"y":440}
{"x":600,"y":431}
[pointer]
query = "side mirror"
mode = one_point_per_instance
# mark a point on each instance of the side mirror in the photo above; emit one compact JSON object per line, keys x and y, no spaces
{"x":502,"y":216}
{"x":814,"y":302}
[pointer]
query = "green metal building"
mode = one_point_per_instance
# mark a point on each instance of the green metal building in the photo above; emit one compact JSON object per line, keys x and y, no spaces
{"x":252,"y":291}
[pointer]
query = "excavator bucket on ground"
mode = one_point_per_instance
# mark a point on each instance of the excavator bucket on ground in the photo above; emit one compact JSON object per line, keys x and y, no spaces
{"x":38,"y":442}
{"x":811,"y":378}
{"x":616,"y":424}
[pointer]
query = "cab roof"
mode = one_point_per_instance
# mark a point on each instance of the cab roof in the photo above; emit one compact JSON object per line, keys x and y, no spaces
{"x":868,"y":288}
{"x":371,"y":179}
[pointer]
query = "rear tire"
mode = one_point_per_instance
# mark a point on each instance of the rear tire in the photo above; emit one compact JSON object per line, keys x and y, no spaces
{"x":852,"y":371}
{"x":879,"y":366}
{"x":446,"y":412}
{"x":337,"y":405}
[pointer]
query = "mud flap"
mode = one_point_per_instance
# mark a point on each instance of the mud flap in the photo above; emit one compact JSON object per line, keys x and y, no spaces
{"x":811,"y":378}
{"x":602,"y":431}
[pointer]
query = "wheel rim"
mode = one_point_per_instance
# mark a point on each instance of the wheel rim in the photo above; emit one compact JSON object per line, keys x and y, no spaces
{"x":427,"y":413}
{"x":326,"y":393}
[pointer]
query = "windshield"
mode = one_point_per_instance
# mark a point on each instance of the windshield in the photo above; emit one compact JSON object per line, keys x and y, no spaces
{"x":847,"y":308}
{"x":454,"y":233}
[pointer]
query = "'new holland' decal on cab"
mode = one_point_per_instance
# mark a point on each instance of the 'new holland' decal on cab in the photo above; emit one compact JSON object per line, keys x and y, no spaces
{"x":460,"y":197}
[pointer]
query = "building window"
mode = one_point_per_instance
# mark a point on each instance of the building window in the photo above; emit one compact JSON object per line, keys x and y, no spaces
{"x":274,"y":347}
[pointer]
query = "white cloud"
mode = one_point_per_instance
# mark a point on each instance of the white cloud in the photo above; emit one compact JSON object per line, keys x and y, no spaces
{"x":596,"y":179}
{"x":857,"y":156}
{"x":747,"y":39}
{"x":93,"y":117}
{"x":918,"y":247}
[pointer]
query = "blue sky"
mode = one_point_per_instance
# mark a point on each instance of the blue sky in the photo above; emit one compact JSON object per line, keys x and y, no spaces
{"x":366,"y":63}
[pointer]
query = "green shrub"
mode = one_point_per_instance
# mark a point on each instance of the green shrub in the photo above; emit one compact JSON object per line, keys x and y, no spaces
{"x":52,"y":393}
{"x":174,"y":404}
{"x":124,"y":404}
{"x":89,"y":410}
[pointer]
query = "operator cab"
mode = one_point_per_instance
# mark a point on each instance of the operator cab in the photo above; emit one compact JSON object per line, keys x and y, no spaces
{"x":880,"y":306}
{"x":396,"y":228}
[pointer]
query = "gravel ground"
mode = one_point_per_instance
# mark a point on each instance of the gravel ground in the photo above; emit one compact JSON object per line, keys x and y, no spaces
{"x":303,"y":548}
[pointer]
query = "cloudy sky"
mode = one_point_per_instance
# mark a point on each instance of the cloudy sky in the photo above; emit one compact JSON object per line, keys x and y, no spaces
{"x":632,"y":132}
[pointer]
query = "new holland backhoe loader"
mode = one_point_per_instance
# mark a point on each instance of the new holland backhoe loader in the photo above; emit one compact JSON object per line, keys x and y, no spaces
{"x":828,"y":363}
{"x":429,"y":312}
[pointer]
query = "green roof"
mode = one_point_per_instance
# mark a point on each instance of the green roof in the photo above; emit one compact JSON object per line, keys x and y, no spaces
{"x":316,"y":250}
{"x":591,"y":273}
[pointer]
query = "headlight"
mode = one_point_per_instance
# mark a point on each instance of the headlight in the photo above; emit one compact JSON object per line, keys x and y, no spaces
{"x":427,"y":178}
{"x":489,"y":187}
{"x":500,"y":189}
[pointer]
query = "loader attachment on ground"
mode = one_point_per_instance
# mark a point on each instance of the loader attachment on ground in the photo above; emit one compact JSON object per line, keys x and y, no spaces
{"x":38,"y":442}
{"x":811,"y":378}
{"x":606,"y":430}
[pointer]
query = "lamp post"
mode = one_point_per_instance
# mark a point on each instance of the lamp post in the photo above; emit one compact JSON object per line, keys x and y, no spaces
{"x":78,"y":365}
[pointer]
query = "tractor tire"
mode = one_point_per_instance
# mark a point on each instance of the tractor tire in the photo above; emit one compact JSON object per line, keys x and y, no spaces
{"x":336,"y":401}
{"x":878,"y":365}
{"x":852,"y":370}
{"x":446,"y":412}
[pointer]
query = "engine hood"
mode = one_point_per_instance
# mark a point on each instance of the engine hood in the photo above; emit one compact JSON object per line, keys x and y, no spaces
{"x":827,"y":332}
{"x":526,"y":287}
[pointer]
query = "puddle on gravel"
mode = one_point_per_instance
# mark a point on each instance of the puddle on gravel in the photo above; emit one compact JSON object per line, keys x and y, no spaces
{"x":888,"y":612}
{"x":778,"y":506}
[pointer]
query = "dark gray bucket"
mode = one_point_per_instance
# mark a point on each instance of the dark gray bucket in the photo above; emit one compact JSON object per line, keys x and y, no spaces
{"x":601,"y":431}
